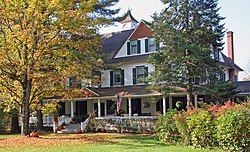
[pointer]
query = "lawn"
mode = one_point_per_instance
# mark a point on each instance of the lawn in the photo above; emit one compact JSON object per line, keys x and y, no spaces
{"x":89,"y":143}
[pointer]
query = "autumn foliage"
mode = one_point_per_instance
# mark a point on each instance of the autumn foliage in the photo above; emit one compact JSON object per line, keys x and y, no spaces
{"x":226,"y":126}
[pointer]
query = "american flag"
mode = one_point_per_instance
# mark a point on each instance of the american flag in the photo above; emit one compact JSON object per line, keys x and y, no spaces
{"x":119,"y":103}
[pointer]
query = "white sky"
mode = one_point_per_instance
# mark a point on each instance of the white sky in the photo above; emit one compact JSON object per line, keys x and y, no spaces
{"x":237,"y":20}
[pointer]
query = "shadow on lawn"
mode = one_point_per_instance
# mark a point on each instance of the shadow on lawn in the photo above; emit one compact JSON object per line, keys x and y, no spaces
{"x":140,"y":141}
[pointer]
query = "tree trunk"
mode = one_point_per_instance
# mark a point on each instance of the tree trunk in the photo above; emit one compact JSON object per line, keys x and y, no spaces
{"x":189,"y":99}
{"x":25,"y":119}
{"x":14,"y":122}
{"x":39,"y":117}
{"x":26,"y":86}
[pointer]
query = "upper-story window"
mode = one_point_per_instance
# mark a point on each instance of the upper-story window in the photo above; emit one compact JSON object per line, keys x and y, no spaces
{"x":139,"y":74}
{"x":216,"y":55}
{"x":151,"y":45}
{"x":134,"y":47}
{"x":223,"y":77}
{"x":117,"y":77}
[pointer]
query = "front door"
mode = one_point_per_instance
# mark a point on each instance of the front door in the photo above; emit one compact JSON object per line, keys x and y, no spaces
{"x":81,"y":108}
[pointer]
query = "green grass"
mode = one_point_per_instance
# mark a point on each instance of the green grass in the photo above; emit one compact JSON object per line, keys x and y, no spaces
{"x":91,"y":143}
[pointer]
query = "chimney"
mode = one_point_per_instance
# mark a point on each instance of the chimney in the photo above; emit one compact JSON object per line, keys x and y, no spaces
{"x":230,"y":45}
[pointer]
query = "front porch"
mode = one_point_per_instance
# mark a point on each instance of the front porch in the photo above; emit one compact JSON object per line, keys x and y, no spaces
{"x":131,"y":106}
{"x":137,"y":106}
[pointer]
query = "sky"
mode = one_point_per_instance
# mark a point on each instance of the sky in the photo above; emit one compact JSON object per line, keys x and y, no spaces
{"x":237,"y":13}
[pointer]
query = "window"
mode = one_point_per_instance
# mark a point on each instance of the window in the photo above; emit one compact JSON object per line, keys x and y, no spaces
{"x":151,"y":45}
{"x":216,"y":55}
{"x":134,"y":47}
{"x":117,"y":77}
{"x":111,"y":107}
{"x":139,"y":74}
{"x":223,"y":77}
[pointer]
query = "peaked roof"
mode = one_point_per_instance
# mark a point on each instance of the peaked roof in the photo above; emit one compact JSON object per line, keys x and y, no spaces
{"x":229,"y":63}
{"x":127,"y":17}
{"x":112,"y":42}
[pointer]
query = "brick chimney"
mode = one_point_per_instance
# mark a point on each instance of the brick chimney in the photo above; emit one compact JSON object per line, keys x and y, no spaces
{"x":230,"y":45}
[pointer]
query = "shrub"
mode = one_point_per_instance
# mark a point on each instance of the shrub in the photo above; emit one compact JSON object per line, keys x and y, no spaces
{"x":233,"y":129}
{"x":182,"y":126}
{"x":166,"y":128}
{"x":201,"y":129}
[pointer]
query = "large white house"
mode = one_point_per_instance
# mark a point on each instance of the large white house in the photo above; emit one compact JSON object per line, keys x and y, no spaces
{"x":126,"y":52}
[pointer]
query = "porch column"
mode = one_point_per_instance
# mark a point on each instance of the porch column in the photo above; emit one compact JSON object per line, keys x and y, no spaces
{"x":129,"y":108}
{"x":105,"y":110}
{"x":72,"y":109}
{"x":164,"y":104}
{"x":170,"y":102}
{"x":195,"y":100}
{"x":99,"y":108}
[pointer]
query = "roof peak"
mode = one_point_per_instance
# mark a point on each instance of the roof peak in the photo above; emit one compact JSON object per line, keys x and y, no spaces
{"x":127,"y":17}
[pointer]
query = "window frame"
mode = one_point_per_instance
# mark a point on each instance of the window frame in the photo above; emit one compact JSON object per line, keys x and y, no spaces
{"x":151,"y":43}
{"x":133,"y":44}
{"x":139,"y":79}
{"x":114,"y":77}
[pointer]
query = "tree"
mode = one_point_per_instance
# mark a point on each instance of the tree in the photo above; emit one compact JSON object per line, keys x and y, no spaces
{"x":42,"y":42}
{"x":191,"y":33}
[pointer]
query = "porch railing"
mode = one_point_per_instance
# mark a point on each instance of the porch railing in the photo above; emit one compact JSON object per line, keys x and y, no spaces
{"x":48,"y":121}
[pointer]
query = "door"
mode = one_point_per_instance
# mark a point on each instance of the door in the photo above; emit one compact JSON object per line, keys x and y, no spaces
{"x":81,"y":108}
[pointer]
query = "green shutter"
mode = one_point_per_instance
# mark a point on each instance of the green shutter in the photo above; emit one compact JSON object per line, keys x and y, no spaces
{"x":122,"y":72}
{"x":128,"y":48}
{"x":146,"y":72}
{"x":134,"y":75}
{"x":157,"y":46}
{"x":138,"y":46}
{"x":146,"y":45}
{"x":111,"y":78}
{"x":70,"y":82}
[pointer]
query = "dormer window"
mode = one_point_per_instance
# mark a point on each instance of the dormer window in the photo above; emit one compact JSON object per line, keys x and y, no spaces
{"x":151,"y":45}
{"x":134,"y":47}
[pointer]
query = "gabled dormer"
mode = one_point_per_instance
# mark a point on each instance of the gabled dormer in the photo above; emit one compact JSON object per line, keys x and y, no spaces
{"x":140,"y":42}
{"x":128,"y":22}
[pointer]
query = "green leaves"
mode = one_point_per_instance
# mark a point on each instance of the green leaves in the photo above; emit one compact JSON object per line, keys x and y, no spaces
{"x":190,"y":31}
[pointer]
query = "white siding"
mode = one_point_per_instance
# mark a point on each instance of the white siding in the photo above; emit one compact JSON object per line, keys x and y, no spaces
{"x":128,"y":73}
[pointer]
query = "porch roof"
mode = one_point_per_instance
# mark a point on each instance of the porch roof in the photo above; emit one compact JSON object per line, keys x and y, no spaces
{"x":124,"y":91}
